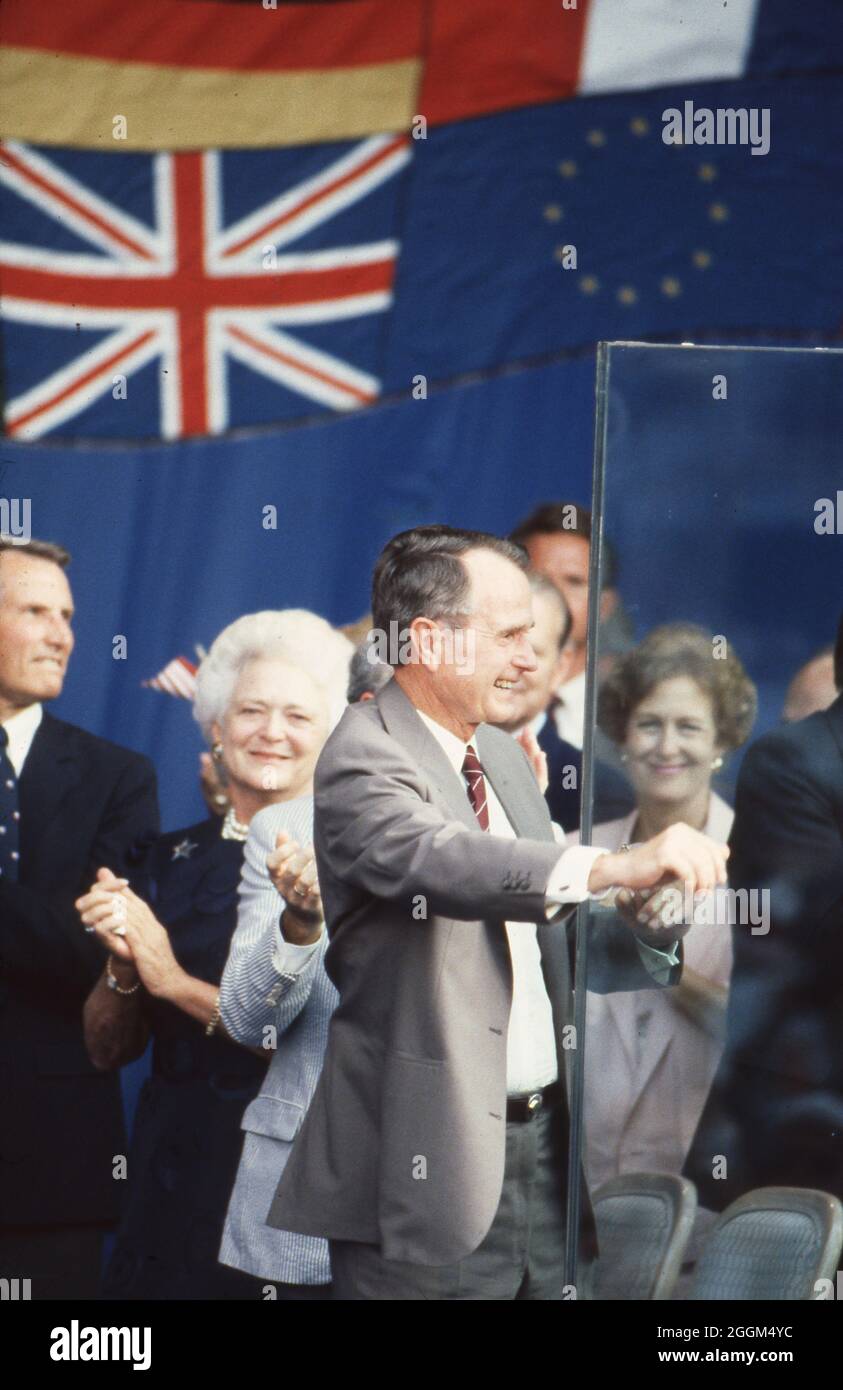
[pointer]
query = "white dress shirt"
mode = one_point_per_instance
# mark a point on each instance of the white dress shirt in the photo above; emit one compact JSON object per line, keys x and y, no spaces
{"x":21,"y":729}
{"x":569,"y":715}
{"x":531,"y":1060}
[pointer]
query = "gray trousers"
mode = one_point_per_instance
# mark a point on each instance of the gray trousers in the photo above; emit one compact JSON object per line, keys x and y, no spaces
{"x":521,"y":1257}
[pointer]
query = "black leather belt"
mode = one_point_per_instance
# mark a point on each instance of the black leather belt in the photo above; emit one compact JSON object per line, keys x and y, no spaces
{"x":522,"y":1109}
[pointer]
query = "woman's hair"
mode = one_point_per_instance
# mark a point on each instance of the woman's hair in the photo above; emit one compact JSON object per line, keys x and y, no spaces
{"x":680,"y":649}
{"x":293,"y":635}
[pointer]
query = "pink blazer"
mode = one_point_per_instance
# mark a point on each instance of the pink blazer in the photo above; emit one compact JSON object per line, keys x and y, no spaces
{"x":649,"y":1068}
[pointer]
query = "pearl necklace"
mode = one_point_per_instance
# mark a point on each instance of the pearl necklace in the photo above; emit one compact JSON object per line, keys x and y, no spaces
{"x":232,"y":828}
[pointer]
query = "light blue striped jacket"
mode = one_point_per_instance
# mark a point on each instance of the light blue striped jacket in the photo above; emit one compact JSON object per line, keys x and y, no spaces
{"x":267,"y":983}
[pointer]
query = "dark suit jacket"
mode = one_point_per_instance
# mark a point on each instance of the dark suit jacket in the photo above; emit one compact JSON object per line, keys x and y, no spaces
{"x":84,"y":803}
{"x":776,"y":1108}
{"x":613,"y":796}
{"x":415,"y":896}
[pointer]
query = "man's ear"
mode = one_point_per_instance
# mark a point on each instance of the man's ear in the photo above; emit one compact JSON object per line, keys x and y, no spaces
{"x":608,"y":603}
{"x":426,"y":638}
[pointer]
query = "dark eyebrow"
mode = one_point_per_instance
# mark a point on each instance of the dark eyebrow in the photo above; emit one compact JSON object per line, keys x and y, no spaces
{"x":45,"y":607}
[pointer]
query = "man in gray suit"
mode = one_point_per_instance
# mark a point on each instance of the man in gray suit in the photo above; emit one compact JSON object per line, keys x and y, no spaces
{"x":433,"y":1155}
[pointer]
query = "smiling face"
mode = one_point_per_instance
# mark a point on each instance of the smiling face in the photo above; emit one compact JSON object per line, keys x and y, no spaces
{"x":487,"y":686}
{"x":272,"y":733}
{"x":36,"y":639}
{"x":532,"y":693}
{"x":671,"y":741}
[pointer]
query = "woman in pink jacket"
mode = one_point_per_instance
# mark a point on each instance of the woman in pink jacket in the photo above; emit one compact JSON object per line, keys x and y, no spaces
{"x":676,"y":706}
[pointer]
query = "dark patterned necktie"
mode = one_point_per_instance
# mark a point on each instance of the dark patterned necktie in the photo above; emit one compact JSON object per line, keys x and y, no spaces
{"x":473,"y":774}
{"x":9,"y":814}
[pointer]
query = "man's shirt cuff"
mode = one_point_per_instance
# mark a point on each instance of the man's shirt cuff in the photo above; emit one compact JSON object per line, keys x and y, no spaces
{"x":659,"y":963}
{"x":568,"y":882}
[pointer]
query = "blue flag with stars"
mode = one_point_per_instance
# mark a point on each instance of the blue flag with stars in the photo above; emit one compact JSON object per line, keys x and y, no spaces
{"x":672,"y":240}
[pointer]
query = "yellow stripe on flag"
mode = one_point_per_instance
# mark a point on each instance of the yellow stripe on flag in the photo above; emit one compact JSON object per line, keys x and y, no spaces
{"x":54,"y":99}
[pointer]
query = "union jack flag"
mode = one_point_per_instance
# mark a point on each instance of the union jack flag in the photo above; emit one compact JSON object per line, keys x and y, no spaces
{"x":177,"y":270}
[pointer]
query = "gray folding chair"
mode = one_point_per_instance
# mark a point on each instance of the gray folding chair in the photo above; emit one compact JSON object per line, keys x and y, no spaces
{"x":773,"y":1243}
{"x":644,"y":1221}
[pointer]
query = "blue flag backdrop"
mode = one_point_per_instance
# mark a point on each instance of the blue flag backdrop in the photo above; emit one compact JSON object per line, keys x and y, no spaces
{"x":710,"y":504}
{"x":169,"y":543}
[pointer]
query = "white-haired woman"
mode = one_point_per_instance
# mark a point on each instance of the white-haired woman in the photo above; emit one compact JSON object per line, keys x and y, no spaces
{"x":267,"y":694}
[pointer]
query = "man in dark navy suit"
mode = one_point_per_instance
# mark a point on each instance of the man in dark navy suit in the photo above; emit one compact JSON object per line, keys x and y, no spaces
{"x":775,"y":1113}
{"x":69,"y":803}
{"x":533,"y":710}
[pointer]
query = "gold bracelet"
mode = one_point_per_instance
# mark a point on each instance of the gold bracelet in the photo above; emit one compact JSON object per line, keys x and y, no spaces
{"x":112,"y":981}
{"x":211,"y":1026}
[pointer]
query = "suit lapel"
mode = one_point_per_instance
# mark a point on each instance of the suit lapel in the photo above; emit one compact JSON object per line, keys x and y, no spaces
{"x":403,"y":723}
{"x":519,"y":812}
{"x":53,"y":766}
{"x":549,"y":741}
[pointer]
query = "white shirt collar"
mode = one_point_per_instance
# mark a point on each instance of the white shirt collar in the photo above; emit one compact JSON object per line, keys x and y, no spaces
{"x":538,"y":722}
{"x":572,"y":693}
{"x":453,"y":747}
{"x":21,"y":729}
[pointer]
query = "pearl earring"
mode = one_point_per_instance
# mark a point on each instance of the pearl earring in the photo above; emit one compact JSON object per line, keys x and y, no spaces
{"x":717,"y":763}
{"x":216,"y":751}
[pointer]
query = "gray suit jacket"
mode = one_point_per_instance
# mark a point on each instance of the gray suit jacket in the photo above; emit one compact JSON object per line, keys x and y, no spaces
{"x":269,"y":985}
{"x":415,"y":897}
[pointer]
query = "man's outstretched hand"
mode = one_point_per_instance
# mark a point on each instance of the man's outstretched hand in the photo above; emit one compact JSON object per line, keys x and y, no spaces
{"x":698,"y":862}
{"x":654,"y":877}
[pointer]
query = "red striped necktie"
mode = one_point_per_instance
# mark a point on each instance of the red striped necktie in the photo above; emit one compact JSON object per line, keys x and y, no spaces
{"x":472,"y":771}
